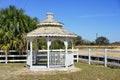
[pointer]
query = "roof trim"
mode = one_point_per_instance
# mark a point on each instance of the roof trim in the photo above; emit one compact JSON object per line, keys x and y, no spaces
{"x":57,"y":35}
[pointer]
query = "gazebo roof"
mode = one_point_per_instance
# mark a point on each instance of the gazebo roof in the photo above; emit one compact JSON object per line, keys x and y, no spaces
{"x":50,"y":21}
{"x":50,"y":27}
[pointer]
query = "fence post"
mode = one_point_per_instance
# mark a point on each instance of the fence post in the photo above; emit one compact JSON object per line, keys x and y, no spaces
{"x":77,"y":55}
{"x":6,"y":58}
{"x":105,"y":57}
{"x":89,"y":56}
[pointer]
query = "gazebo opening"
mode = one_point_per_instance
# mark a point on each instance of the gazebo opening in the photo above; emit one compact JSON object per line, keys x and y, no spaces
{"x":51,"y":32}
{"x":57,"y":44}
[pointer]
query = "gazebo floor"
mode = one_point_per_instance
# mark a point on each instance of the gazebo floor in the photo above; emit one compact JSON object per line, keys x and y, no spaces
{"x":40,"y":67}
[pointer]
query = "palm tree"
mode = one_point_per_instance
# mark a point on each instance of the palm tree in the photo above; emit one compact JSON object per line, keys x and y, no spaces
{"x":14,"y":23}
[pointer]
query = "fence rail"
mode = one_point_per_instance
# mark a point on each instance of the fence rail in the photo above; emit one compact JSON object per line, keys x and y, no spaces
{"x":89,"y":57}
{"x":102,"y":59}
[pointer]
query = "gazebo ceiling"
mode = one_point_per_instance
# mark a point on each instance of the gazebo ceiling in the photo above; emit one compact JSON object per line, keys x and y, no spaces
{"x":50,"y":27}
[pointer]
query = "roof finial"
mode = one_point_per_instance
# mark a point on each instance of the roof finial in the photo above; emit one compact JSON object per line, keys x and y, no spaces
{"x":50,"y":15}
{"x":50,"y":21}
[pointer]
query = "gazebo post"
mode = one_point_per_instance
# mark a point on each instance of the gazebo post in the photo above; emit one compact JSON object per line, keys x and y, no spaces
{"x":27,"y":53}
{"x":31,"y":52}
{"x":48,"y":51}
{"x":66,"y":52}
{"x":72,"y":45}
{"x":72,"y":52}
{"x":35,"y":52}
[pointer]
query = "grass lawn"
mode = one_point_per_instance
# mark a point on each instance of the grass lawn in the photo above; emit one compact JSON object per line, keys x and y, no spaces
{"x":94,"y":72}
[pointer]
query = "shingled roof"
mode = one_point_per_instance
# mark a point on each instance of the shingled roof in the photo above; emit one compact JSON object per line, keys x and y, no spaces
{"x":50,"y":27}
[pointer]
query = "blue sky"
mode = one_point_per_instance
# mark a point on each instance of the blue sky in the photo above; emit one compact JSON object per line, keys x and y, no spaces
{"x":83,"y":17}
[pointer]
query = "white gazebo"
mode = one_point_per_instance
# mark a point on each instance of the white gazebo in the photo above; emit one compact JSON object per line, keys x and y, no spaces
{"x":51,"y":30}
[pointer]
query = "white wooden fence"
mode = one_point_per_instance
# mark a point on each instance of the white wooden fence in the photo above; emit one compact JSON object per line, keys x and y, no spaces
{"x":22,"y":58}
{"x":105,"y":56}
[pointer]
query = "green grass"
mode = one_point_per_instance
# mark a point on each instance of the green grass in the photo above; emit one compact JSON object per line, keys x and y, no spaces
{"x":92,"y":72}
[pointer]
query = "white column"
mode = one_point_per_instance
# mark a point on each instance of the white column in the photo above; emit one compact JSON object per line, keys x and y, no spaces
{"x":27,"y":52}
{"x":72,"y":46}
{"x":66,"y":47}
{"x":72,"y":52}
{"x":35,"y":52}
{"x":66,"y":52}
{"x":48,"y":51}
{"x":31,"y":52}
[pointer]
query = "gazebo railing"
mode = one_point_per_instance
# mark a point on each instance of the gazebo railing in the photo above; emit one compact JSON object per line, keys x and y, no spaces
{"x":57,"y":58}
